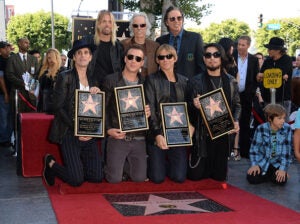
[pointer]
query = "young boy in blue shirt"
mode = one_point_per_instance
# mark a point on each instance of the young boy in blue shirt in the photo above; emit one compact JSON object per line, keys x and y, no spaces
{"x":271,"y":148}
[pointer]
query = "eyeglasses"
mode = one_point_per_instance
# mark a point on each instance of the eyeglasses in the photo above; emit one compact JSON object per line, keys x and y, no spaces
{"x":179,"y":18}
{"x":162,"y":57}
{"x":215,"y":54}
{"x":143,"y":25}
{"x":137,"y":58}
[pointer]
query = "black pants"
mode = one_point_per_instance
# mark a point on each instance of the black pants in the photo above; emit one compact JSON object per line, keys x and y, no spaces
{"x":269,"y":176}
{"x":82,"y":161}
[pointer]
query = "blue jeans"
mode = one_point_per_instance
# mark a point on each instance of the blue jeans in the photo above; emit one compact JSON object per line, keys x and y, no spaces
{"x":5,"y":120}
{"x":171,"y":163}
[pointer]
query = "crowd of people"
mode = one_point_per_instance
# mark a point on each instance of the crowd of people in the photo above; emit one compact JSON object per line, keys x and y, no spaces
{"x":177,"y":67}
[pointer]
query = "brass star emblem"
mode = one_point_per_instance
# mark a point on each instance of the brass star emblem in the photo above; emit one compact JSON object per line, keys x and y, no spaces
{"x":130,"y":101}
{"x":89,"y":104}
{"x":214,"y":106}
{"x":175,"y":116}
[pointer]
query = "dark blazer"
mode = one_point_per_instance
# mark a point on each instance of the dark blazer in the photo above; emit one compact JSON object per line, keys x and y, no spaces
{"x":251,"y":83}
{"x":14,"y":71}
{"x":190,"y":57}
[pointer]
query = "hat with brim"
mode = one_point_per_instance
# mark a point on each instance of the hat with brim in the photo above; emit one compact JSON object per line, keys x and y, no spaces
{"x":275,"y":43}
{"x":4,"y":44}
{"x":78,"y":44}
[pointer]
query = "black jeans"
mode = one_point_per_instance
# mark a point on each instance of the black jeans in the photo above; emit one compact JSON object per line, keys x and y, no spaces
{"x":269,"y":176}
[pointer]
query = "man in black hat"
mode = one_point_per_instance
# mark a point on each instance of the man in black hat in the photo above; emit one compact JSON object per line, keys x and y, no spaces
{"x":81,"y":155}
{"x":278,"y":59}
{"x":5,"y":112}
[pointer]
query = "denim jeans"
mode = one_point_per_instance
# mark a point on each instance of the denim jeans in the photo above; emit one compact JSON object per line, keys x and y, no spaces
{"x":5,"y":120}
{"x":171,"y":163}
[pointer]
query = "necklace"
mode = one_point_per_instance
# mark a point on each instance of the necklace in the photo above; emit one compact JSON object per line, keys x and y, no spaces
{"x":213,"y":81}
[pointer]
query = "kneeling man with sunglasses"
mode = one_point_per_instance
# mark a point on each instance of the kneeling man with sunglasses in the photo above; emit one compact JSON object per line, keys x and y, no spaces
{"x":209,"y":157}
{"x":124,"y":148}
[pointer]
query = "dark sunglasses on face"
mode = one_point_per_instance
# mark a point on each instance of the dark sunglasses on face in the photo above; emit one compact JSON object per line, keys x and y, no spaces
{"x":215,"y":54}
{"x":172,"y":19}
{"x":162,"y":57}
{"x":139,"y":25}
{"x":137,"y":58}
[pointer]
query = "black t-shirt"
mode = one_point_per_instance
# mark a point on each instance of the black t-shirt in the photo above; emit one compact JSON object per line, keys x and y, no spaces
{"x":103,"y":61}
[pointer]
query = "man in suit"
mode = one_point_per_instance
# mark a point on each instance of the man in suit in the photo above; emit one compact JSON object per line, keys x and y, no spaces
{"x":17,"y":65}
{"x":248,"y":68}
{"x":189,"y":45}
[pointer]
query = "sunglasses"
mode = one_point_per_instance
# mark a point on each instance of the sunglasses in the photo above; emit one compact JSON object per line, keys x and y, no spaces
{"x":143,"y":25}
{"x":215,"y":54}
{"x":179,"y":18}
{"x":162,"y":57}
{"x":137,"y":58}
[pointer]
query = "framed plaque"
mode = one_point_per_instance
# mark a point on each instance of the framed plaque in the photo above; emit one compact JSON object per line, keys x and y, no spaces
{"x":175,"y":123}
{"x":89,"y":114}
{"x":216,"y":113}
{"x":131,"y":108}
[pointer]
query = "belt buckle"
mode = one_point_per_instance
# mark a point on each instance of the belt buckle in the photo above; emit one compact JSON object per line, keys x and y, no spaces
{"x":128,"y":138}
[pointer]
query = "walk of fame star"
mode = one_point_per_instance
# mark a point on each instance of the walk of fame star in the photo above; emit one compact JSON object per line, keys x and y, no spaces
{"x":89,"y":104}
{"x":214,"y":106}
{"x":156,"y":204}
{"x":175,"y":116}
{"x":130,"y":101}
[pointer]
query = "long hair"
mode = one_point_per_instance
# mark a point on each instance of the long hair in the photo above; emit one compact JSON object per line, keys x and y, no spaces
{"x":100,"y":17}
{"x":52,"y":69}
{"x":224,"y":59}
{"x":166,"y":16}
{"x":148,"y":24}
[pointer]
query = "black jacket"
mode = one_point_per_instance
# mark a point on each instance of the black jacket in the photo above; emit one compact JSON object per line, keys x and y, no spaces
{"x":201,"y":84}
{"x":157,"y":91}
{"x":110,"y":82}
{"x":64,"y":106}
{"x":285,"y":64}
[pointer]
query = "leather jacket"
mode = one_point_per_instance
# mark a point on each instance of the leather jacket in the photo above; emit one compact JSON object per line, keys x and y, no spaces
{"x":157,"y":91}
{"x":110,"y":82}
{"x":201,"y":84}
{"x":64,"y":107}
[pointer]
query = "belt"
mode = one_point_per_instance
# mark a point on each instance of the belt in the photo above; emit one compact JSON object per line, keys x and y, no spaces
{"x":129,"y":137}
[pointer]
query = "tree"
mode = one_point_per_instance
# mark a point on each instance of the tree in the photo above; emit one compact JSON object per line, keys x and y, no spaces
{"x":156,"y":8}
{"x":289,"y":31}
{"x":37,"y":28}
{"x":230,"y":28}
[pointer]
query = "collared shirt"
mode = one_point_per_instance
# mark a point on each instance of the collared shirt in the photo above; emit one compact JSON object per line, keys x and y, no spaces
{"x":296,"y":73}
{"x":242,"y":67}
{"x":297,"y":120}
{"x":22,"y":56}
{"x":262,"y":147}
{"x":179,"y":38}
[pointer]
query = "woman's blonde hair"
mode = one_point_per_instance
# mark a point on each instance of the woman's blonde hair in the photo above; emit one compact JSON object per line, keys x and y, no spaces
{"x":100,"y":17}
{"x":52,"y":71}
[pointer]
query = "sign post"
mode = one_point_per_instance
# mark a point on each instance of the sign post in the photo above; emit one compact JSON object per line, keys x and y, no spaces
{"x":272,"y":80}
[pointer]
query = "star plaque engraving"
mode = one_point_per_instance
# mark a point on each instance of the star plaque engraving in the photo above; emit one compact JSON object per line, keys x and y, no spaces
{"x":89,"y":114}
{"x":176,"y":124}
{"x":216,"y":113}
{"x":131,"y":108}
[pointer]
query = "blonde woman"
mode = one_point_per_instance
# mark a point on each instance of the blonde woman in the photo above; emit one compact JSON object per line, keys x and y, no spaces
{"x":47,"y":78}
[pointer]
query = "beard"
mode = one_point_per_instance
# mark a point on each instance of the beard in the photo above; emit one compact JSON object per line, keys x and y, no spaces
{"x":213,"y":68}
